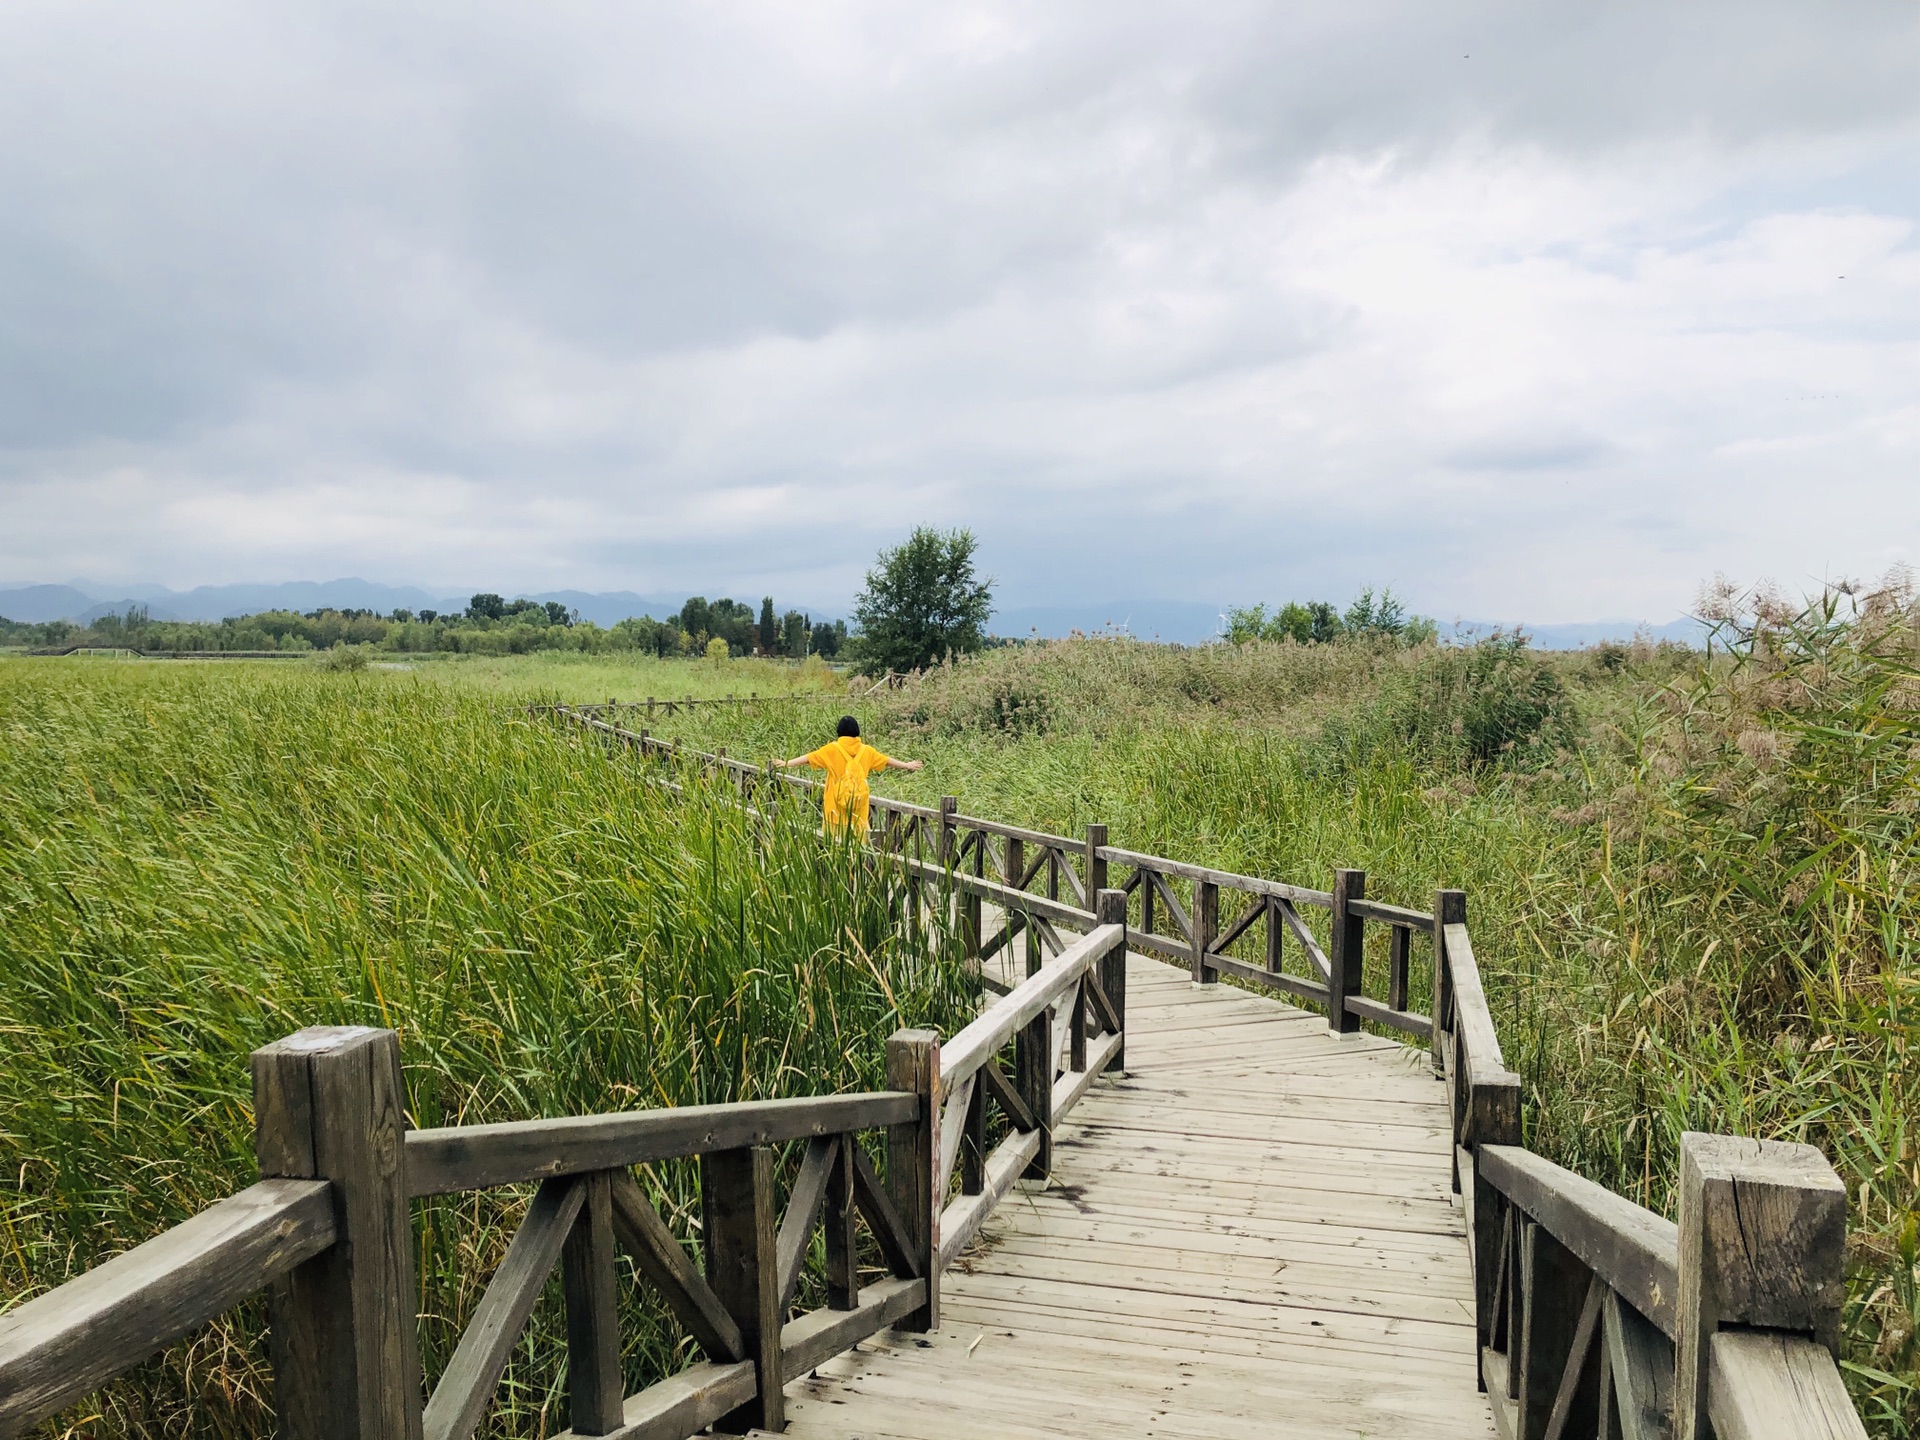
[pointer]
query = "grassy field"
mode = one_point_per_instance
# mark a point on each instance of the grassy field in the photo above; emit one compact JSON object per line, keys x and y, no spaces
{"x":1691,"y":888}
{"x":197,"y":859}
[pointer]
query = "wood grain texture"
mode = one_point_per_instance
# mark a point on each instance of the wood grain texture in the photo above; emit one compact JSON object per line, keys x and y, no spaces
{"x":645,"y":1236}
{"x":465,"y":1392}
{"x":594,"y":1387}
{"x":343,"y":1325}
{"x":736,"y":1194}
{"x":1636,"y":1251}
{"x":1771,"y":1386}
{"x":58,"y":1347}
{"x":1763,"y":1227}
{"x":684,"y":1404}
{"x":475,"y":1157}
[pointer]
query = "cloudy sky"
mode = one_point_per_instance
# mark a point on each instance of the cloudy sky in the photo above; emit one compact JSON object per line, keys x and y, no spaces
{"x":1532,"y":310}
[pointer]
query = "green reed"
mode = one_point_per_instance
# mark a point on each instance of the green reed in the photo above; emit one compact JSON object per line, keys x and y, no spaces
{"x":195,"y":862}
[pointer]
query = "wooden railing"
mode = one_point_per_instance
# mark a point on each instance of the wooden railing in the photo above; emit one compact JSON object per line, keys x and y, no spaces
{"x":1596,"y":1317}
{"x":328,"y":1234}
{"x":656,"y":706}
{"x":1040,"y":884}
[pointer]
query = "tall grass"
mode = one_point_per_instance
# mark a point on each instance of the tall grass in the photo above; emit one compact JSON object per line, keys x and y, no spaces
{"x":193,"y":862}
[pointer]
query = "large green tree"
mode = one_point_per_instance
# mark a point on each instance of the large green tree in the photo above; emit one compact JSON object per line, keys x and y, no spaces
{"x":922,"y":603}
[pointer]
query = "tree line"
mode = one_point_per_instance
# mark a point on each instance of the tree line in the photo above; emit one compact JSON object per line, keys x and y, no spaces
{"x":922,"y":603}
{"x":1319,"y":622}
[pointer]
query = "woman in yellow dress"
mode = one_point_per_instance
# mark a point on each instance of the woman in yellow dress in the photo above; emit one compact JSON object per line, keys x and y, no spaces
{"x":848,"y":760}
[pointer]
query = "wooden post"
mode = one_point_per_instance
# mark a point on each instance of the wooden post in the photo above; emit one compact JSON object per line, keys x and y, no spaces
{"x":949,"y":806}
{"x":1397,"y":966}
{"x":1763,"y":1233}
{"x":1111,"y":908}
{"x":973,"y":1144}
{"x":649,"y":707}
{"x":1017,"y":867}
{"x":914,"y":1181}
{"x":743,"y":1267}
{"x":843,"y":1254}
{"x":595,"y":1394}
{"x":1276,"y":930}
{"x":1347,"y":951}
{"x":1449,"y":908}
{"x":971,"y":905}
{"x":1033,"y":1078}
{"x":329,"y":1104}
{"x":1206,"y":928}
{"x":1096,"y":866}
{"x":1554,"y":1285}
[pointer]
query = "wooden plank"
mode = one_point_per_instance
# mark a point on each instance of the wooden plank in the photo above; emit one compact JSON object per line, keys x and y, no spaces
{"x":1766,"y":1385}
{"x":1291,"y":918}
{"x":478,"y":1157}
{"x":953,"y":1126}
{"x":804,"y":1200}
{"x":1009,"y":1100}
{"x":736,"y":1194}
{"x":1640,"y":1369}
{"x":898,"y":1243}
{"x":1068,"y":1089}
{"x":1396,"y":915}
{"x":1002,"y":895}
{"x":684,"y":1404}
{"x":962,"y":1219}
{"x":819,"y":1335}
{"x":1253,"y":974}
{"x":1473,"y":1020}
{"x":1012,"y":832}
{"x":1405,"y":1021}
{"x":966,"y":1052}
{"x":1636,"y":1251}
{"x":60,"y":1346}
{"x":1181,"y":920}
{"x":594,"y":1388}
{"x":1225,"y":879}
{"x":1576,"y":1405}
{"x":465,"y":1392}
{"x":659,"y":1257}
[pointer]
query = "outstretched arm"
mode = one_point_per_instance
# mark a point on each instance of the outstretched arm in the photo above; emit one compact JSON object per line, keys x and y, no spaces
{"x":893,"y":764}
{"x":797,"y":760}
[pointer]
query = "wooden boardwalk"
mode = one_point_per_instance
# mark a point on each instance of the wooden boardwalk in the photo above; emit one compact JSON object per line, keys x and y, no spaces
{"x":1253,"y":1233}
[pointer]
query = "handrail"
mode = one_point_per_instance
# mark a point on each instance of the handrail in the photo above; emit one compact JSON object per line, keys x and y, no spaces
{"x":473,"y":1157}
{"x":978,"y":1042}
{"x":59,"y":1346}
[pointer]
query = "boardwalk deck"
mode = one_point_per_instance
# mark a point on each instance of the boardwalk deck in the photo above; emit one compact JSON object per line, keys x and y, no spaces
{"x":1253,"y":1233}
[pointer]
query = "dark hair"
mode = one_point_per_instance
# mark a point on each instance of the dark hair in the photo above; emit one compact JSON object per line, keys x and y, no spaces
{"x":847,"y":726}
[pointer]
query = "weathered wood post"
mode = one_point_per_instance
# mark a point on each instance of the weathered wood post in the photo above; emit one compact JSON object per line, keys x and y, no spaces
{"x":972,"y":907}
{"x":1016,"y":871}
{"x":1763,"y":1234}
{"x":1276,"y":930}
{"x":743,"y":1267}
{"x":1206,"y":929}
{"x":595,"y":1394}
{"x":329,"y":1104}
{"x":945,"y":839}
{"x":913,"y":1160}
{"x":1347,"y":951}
{"x":1554,"y":1284}
{"x":1110,"y":906}
{"x":1449,"y":908}
{"x":843,"y":1251}
{"x":1095,"y":866}
{"x":1033,"y":1078}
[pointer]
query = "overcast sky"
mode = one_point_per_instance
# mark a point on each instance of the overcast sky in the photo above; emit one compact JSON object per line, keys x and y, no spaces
{"x":1532,"y":310}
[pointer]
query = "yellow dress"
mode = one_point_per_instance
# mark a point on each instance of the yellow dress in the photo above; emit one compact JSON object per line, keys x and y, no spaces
{"x":848,"y":761}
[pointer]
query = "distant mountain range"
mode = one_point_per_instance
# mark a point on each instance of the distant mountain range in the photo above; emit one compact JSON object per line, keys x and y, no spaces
{"x":1179,"y":621}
